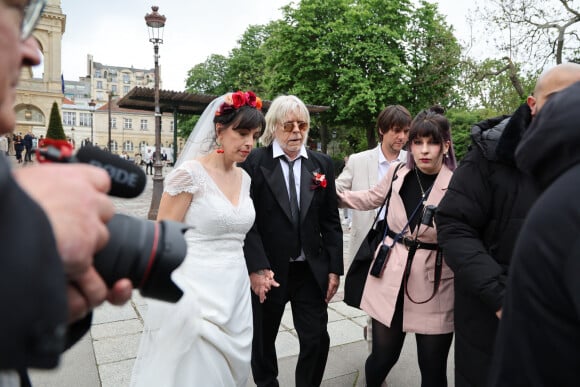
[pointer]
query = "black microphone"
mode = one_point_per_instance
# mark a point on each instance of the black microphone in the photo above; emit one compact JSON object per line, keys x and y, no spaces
{"x":127,"y":179}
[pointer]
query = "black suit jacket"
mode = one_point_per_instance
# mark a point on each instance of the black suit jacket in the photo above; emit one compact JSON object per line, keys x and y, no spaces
{"x":267,"y":244}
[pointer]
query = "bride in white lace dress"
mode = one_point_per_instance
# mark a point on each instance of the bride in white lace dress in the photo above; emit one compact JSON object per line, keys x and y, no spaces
{"x":205,"y":339}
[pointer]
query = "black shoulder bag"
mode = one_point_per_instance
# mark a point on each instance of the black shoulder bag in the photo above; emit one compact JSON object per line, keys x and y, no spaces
{"x":358,"y":271}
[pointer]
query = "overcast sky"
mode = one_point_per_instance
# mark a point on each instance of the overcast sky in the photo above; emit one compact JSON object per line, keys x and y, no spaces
{"x":114,"y":32}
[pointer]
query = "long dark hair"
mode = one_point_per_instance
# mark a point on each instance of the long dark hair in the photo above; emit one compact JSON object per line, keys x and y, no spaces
{"x":432,"y":123}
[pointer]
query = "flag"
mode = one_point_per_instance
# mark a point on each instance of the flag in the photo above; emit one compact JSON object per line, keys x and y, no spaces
{"x":62,"y":82}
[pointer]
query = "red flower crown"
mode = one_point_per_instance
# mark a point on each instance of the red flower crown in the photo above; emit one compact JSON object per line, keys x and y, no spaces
{"x":234,"y":101}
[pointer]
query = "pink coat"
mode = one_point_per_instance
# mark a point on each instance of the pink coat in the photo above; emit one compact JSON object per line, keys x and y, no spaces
{"x":380,"y":294}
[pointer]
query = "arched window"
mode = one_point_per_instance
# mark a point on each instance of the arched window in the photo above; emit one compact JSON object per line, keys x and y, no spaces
{"x":142,"y":144}
{"x":128,"y":146}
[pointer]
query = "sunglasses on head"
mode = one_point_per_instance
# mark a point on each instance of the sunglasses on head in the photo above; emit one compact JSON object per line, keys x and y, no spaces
{"x":289,"y":125}
{"x":30,"y":17}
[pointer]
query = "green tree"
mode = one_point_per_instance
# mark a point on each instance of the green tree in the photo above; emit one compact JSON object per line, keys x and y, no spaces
{"x":207,"y":77}
{"x":204,"y":78}
{"x":344,"y":54}
{"x":499,"y":86}
{"x":354,"y":57}
{"x":247,"y":61}
{"x":433,"y":57}
{"x":55,"y":130}
{"x":461,"y":123}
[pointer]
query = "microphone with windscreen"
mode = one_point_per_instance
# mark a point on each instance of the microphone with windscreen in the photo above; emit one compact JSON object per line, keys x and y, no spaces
{"x":127,"y":179}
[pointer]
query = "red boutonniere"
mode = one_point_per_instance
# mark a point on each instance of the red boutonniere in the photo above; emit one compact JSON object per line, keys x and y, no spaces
{"x":319,"y":180}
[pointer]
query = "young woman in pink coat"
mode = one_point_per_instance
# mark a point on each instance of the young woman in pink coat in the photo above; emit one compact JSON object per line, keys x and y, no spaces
{"x":413,"y":290}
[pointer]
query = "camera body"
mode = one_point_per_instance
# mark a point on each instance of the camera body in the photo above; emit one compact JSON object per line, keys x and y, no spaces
{"x":380,"y":261}
{"x":428,"y":214}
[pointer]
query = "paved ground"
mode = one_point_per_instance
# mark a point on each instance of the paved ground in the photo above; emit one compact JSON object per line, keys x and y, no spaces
{"x":105,"y":356}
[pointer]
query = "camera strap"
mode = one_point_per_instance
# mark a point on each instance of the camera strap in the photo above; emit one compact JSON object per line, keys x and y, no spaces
{"x":398,"y":236}
{"x":387,"y":198}
{"x":438,"y":268}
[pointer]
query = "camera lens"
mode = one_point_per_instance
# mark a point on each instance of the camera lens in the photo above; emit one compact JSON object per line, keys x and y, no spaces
{"x":146,"y":252}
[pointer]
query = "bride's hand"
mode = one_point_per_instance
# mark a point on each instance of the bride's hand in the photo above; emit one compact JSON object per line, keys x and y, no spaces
{"x":261,"y":282}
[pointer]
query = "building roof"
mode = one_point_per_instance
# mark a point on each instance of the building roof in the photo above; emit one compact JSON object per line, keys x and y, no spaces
{"x":115,"y":108}
{"x":101,"y":66}
{"x":143,"y":98}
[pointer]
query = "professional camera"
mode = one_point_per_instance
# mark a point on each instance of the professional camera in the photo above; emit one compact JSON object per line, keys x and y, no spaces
{"x":144,"y":251}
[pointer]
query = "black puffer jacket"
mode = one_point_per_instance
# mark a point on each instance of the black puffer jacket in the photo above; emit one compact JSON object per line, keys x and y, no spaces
{"x":478,"y":222}
{"x":538,"y":343}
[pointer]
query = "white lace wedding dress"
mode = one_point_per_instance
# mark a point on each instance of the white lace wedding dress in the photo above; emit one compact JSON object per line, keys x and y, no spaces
{"x":205,"y":339}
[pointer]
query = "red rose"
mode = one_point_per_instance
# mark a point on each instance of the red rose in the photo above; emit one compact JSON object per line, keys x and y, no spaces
{"x":239,"y":99}
{"x":319,"y":180}
{"x":251,"y":98}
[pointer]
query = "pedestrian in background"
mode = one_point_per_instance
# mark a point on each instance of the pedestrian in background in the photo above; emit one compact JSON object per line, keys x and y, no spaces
{"x":18,"y":147}
{"x":27,"y":141}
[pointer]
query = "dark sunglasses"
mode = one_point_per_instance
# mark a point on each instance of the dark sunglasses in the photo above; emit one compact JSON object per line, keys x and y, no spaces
{"x":289,"y":125}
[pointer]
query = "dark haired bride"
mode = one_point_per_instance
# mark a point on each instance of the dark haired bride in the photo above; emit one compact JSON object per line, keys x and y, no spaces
{"x":205,"y":339}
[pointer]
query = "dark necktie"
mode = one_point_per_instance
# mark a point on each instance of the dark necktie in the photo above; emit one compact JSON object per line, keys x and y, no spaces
{"x":294,"y":209}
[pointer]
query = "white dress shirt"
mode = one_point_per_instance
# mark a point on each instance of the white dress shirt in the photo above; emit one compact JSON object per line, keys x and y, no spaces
{"x":384,"y":165}
{"x":277,"y":152}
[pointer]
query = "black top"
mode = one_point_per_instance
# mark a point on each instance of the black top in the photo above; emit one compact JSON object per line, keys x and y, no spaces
{"x":411,"y":193}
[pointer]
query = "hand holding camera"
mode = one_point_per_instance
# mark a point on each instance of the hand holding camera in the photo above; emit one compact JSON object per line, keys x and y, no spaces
{"x":143,"y":251}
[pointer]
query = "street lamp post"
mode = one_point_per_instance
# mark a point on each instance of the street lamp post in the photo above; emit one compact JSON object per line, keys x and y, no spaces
{"x":155,"y":23}
{"x":110,"y":122}
{"x":92,"y":105}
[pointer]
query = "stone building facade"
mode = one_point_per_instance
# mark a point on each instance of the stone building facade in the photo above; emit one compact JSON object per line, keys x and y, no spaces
{"x":85,"y":103}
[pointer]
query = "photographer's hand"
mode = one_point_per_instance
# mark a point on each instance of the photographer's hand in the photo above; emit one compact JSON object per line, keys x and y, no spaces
{"x":73,"y":196}
{"x":89,"y":291}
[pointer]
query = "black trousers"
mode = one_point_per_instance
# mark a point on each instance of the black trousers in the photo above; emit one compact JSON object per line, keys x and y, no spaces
{"x":432,"y":351}
{"x":28,"y":154}
{"x":310,"y":316}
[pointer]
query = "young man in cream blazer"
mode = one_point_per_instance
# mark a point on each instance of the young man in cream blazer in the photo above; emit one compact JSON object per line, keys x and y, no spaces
{"x":365,"y":169}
